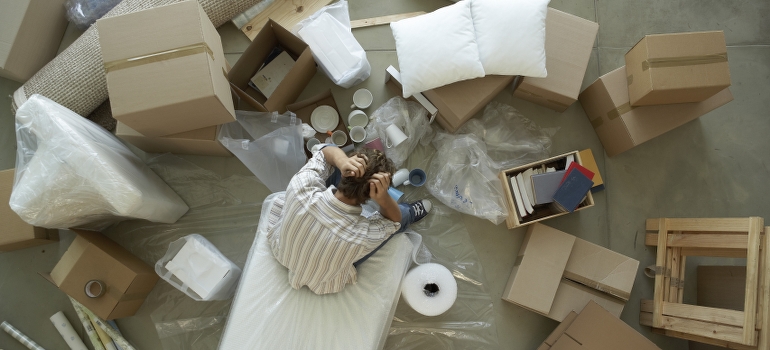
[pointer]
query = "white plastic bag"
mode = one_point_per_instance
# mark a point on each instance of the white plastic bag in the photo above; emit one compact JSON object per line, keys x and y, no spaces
{"x":409,"y":116}
{"x":269,"y":144}
{"x":71,"y":172}
{"x":338,"y":53}
{"x":196,"y":267}
{"x":462,"y":176}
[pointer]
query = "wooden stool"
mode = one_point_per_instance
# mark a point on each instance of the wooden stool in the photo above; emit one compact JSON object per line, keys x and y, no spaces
{"x":730,"y":237}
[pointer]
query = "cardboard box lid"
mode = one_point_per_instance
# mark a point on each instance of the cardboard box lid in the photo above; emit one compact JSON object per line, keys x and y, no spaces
{"x":458,"y":102}
{"x":602,"y":269}
{"x":554,"y":336}
{"x":92,"y":256}
{"x":569,"y":40}
{"x":620,"y":126}
{"x":538,"y":268}
{"x":596,"y":329}
{"x":13,"y":230}
{"x":292,"y":85}
{"x":675,"y":63}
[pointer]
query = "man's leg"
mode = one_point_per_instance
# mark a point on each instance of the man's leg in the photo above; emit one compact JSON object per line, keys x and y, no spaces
{"x":410,"y":213}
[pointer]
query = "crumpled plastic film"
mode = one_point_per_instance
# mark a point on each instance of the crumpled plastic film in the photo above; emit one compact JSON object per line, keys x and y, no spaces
{"x":410,"y":117}
{"x":470,"y":322}
{"x":511,"y":139}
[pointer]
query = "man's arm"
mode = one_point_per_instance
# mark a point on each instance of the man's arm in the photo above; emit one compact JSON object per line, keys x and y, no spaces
{"x":349,"y":166}
{"x":378,"y":191}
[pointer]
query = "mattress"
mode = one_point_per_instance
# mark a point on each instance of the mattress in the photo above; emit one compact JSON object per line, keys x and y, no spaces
{"x":268,"y":314}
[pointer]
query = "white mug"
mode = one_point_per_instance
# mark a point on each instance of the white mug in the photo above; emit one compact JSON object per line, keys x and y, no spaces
{"x":339,"y":138}
{"x":312,"y":142}
{"x":357,"y":134}
{"x":400,"y":177}
{"x":362,"y":99}
{"x":395,"y":136}
{"x":357,"y":118}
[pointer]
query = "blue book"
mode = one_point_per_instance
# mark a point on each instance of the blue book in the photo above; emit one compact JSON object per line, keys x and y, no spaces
{"x":572,"y":191}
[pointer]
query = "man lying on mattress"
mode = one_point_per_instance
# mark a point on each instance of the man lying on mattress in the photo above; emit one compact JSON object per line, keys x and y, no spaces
{"x":317,"y":229}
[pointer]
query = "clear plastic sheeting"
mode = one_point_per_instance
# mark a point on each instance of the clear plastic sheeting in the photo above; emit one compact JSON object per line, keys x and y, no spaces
{"x":71,"y":172}
{"x":511,"y":139}
{"x":269,"y":144}
{"x":226,"y":212}
{"x":410,"y":117}
{"x":470,"y":322}
{"x":83,"y":13}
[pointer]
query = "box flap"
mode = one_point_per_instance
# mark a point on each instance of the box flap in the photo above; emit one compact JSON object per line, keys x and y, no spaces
{"x":65,"y":265}
{"x":150,"y":31}
{"x":541,"y":261}
{"x":560,"y":329}
{"x":569,"y":40}
{"x":601,"y":102}
{"x":602,"y":269}
{"x":596,"y":329}
{"x":572,"y":296}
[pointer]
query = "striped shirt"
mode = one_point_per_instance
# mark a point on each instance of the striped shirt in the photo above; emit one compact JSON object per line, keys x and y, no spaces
{"x":318,"y":237}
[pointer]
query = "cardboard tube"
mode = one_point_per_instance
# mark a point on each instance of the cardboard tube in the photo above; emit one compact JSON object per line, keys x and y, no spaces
{"x":64,"y":327}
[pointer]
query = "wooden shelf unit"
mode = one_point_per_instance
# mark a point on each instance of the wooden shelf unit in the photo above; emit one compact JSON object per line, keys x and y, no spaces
{"x":676,"y":239}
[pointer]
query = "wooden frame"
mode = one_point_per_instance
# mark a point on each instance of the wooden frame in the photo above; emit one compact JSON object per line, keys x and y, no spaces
{"x":732,"y":237}
{"x":514,"y":218}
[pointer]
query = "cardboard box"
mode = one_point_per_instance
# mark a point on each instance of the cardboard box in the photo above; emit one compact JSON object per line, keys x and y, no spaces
{"x":589,"y":162}
{"x":595,"y":329}
{"x":393,"y":81}
{"x":677,"y":68}
{"x":30,"y":34}
{"x":557,"y":273}
{"x":621,"y":127}
{"x":15,"y":233}
{"x":93,"y":256}
{"x":166,"y":70}
{"x":569,"y":40}
{"x":202,"y":142}
{"x":542,"y":212}
{"x":601,"y":269}
{"x":303,"y":110}
{"x":288,"y":90}
{"x":458,"y":102}
{"x":539,"y":268}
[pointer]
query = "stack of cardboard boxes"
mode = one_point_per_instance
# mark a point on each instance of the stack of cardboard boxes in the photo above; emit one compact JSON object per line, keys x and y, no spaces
{"x":668,"y":80}
{"x":556,"y":273}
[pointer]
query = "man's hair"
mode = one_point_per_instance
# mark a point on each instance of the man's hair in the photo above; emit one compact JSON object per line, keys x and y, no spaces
{"x":358,"y":187}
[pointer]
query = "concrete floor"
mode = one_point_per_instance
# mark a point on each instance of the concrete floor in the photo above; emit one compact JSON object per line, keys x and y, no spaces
{"x":716,"y":166}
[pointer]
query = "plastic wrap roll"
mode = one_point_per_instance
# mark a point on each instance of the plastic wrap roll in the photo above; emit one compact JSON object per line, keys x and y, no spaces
{"x":429,"y":289}
{"x":18,"y":335}
{"x":64,"y":327}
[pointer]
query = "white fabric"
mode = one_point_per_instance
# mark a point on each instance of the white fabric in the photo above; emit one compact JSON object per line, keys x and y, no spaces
{"x":437,"y":48}
{"x":71,"y":172}
{"x":268,"y":314}
{"x":511,"y":36}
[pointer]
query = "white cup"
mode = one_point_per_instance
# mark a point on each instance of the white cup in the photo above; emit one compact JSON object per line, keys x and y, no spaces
{"x":357,"y":118}
{"x":395,"y":136}
{"x":357,"y":134}
{"x":362,"y":98}
{"x":339,"y":138}
{"x":400,"y":177}
{"x":312,"y":142}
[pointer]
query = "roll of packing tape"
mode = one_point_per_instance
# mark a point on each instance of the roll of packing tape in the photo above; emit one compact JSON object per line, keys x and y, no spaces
{"x":64,"y":327}
{"x":429,"y":289}
{"x":95,"y":288}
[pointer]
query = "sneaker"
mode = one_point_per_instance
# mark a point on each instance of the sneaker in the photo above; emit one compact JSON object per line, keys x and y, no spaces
{"x":420,"y":209}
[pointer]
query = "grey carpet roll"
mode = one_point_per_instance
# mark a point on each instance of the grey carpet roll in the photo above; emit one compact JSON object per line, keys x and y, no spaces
{"x":76,"y":78}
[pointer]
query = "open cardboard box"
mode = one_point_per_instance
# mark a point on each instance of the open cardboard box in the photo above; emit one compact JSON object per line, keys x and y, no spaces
{"x":542,"y":212}
{"x":303,"y":110}
{"x":271,"y":36}
{"x":15,"y":233}
{"x":556,"y":273}
{"x":92,"y":256}
{"x":459,"y":102}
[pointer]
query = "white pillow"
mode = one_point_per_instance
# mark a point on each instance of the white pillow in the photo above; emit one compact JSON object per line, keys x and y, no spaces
{"x":511,"y":36}
{"x":437,"y":48}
